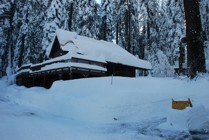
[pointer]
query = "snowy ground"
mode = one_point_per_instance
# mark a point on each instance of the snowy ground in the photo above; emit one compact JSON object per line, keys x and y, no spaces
{"x":93,"y":109}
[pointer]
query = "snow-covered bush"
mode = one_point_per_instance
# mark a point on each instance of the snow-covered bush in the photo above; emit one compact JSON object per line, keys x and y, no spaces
{"x":160,"y":65}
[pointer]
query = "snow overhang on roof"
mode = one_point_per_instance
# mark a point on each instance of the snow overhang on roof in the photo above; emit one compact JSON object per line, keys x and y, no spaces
{"x":97,"y":50}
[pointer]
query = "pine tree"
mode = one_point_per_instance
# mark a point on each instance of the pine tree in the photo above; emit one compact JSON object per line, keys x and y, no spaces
{"x":10,"y":38}
{"x":204,"y":10}
{"x":149,"y":26}
{"x":172,"y":29}
{"x":121,"y":17}
{"x":106,"y":14}
{"x":56,"y":18}
{"x":20,"y":44}
{"x":35,"y":34}
{"x":152,"y":21}
{"x":143,"y":29}
{"x":87,"y":18}
{"x":126,"y":24}
{"x":71,"y":9}
{"x":134,"y":27}
{"x":28,"y":46}
{"x":116,"y":21}
{"x":4,"y":28}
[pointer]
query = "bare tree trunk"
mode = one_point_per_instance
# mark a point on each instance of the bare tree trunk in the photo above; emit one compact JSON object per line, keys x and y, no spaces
{"x":104,"y":28}
{"x":127,"y":28}
{"x":70,"y":17}
{"x":20,"y":61}
{"x":195,"y":49}
{"x":10,"y":50}
{"x":117,"y":32}
{"x":148,"y":29}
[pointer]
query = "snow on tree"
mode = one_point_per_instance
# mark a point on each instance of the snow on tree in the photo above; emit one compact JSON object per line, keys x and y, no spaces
{"x":71,"y":6}
{"x":204,"y":10}
{"x":134,"y":27}
{"x":28,"y":47}
{"x":10,"y":39}
{"x":4,"y":23}
{"x":117,"y":21}
{"x":149,"y":29}
{"x":126,"y":24}
{"x":4,"y":27}
{"x":35,"y":33}
{"x":87,"y":18}
{"x":161,"y":66}
{"x":106,"y":14}
{"x":149,"y":25}
{"x":142,"y":29}
{"x":172,"y":29}
{"x":56,"y":18}
{"x":20,"y":44}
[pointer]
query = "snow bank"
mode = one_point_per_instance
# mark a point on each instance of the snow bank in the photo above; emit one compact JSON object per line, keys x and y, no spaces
{"x":129,"y":99}
{"x":96,"y":108}
{"x":198,"y":119}
{"x":190,"y":119}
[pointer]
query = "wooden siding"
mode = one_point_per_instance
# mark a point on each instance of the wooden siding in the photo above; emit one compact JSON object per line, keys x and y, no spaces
{"x":56,"y":50}
{"x":33,"y":76}
{"x":120,"y":70}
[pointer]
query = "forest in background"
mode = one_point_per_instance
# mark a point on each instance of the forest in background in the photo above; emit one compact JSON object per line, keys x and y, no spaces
{"x":151,"y":29}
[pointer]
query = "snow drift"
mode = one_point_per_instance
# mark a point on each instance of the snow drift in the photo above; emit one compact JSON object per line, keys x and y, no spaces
{"x":129,"y":108}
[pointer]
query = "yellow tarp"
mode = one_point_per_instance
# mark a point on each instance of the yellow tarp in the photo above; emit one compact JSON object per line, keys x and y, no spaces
{"x":180,"y":105}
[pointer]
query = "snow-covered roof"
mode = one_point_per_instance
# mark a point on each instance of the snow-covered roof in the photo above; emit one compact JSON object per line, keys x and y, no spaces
{"x":97,"y":50}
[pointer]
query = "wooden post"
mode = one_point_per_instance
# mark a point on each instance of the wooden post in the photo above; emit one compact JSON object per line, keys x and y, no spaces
{"x":112,"y":79}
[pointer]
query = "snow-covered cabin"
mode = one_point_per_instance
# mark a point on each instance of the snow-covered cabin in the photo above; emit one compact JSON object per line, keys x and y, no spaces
{"x":71,"y":45}
{"x":72,"y":56}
